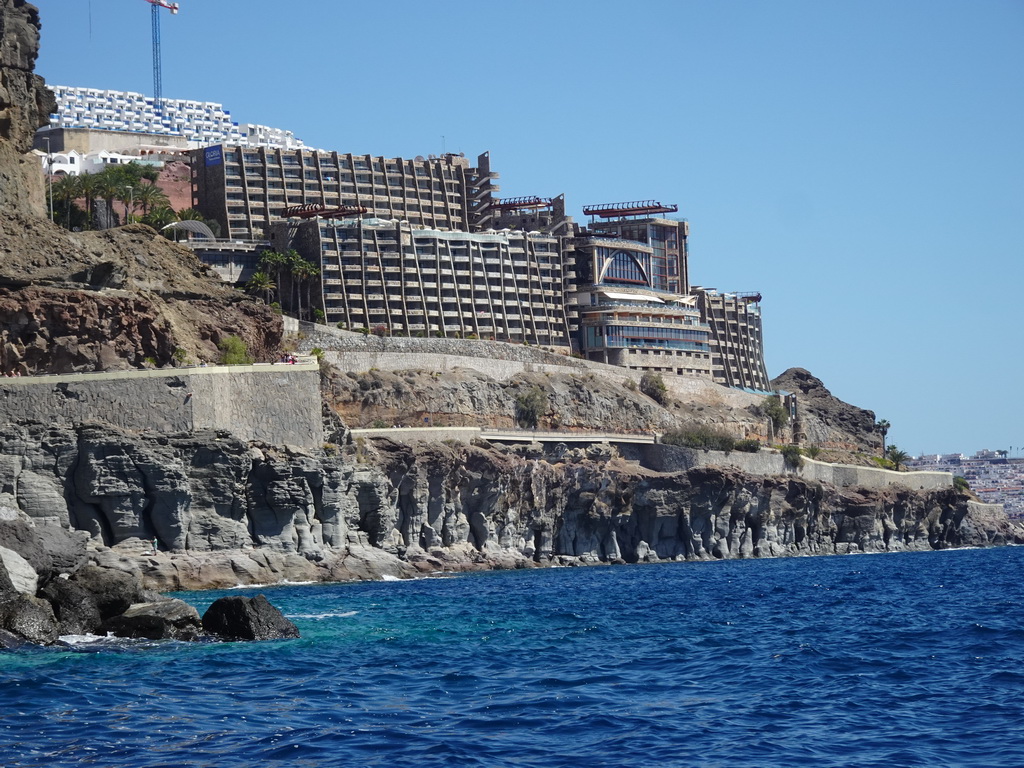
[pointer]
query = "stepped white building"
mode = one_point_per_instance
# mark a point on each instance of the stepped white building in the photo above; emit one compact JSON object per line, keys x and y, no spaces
{"x":199,"y":123}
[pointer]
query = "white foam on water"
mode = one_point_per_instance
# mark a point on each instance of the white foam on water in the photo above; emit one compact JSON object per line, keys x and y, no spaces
{"x":343,"y":615}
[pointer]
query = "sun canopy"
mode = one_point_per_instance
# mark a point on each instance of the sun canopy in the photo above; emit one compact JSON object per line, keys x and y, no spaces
{"x":195,"y":227}
{"x":631,"y":297}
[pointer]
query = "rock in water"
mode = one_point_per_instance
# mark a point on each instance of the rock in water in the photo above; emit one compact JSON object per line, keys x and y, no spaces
{"x":247,"y":618}
{"x":163,"y":620}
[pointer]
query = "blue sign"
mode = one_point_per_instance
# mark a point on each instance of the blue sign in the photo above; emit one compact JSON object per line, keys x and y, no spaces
{"x":214,"y":155}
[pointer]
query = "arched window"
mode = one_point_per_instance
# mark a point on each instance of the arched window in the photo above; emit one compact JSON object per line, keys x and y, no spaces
{"x":625,"y":267}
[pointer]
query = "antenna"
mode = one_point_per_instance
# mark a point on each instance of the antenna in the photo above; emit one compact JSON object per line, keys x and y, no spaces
{"x":158,"y":77}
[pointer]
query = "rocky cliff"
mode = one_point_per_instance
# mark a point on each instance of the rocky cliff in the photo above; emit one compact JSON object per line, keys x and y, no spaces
{"x":94,"y":300}
{"x":225,"y":512}
{"x":826,"y":421}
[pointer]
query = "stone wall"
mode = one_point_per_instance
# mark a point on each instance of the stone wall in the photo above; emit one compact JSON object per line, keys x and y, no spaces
{"x":671,"y":458}
{"x":273,"y":404}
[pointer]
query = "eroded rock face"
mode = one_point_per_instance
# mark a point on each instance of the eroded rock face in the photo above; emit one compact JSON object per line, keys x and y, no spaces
{"x":25,"y":104}
{"x":225,"y":512}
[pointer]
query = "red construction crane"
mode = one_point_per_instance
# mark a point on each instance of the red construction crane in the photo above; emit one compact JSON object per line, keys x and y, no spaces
{"x":158,"y":77}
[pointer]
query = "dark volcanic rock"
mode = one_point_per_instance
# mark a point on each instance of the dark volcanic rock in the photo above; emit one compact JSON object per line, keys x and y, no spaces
{"x":162,"y":620}
{"x":826,"y":420}
{"x":114,"y":591}
{"x":29,"y":618}
{"x":74,"y":607}
{"x":245,"y":618}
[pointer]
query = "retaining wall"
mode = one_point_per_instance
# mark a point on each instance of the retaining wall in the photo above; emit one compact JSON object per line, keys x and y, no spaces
{"x":277,"y":404}
{"x":671,"y":458}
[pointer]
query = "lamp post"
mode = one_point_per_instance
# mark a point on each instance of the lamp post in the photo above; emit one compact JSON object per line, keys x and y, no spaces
{"x":49,"y":174}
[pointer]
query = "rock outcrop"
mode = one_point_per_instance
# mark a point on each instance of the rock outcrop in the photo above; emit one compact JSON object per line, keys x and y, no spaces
{"x":825,"y":420}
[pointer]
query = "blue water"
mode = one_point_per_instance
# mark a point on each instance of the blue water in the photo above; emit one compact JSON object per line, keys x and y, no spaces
{"x":886,"y":660}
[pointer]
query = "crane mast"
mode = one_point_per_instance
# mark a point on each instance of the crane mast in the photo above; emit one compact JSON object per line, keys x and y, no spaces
{"x":158,"y":76}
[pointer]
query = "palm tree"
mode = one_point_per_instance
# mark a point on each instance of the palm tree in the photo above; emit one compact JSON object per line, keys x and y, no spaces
{"x":274,"y":263}
{"x":260,"y":282}
{"x":190,"y":214}
{"x":897,"y":457}
{"x":302,"y":271}
{"x":87,"y":190}
{"x":109,"y":188}
{"x":150,"y":196}
{"x":883,"y":427}
{"x":67,"y":189}
{"x":160,"y":217}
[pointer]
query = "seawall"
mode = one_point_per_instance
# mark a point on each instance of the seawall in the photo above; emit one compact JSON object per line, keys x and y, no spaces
{"x":276,"y":404}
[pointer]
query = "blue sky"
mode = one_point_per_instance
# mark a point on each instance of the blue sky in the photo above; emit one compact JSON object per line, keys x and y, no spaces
{"x":861,"y":164}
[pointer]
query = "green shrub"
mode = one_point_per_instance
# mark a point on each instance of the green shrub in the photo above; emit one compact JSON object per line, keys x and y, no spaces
{"x":179,"y":356}
{"x":530,"y":406}
{"x":630,"y":385}
{"x":318,"y":354}
{"x":772,"y":408}
{"x":379,"y":424}
{"x":748,"y":446}
{"x":233,"y":351}
{"x":792,"y":456}
{"x":652,"y":385}
{"x":811,"y":451}
{"x":960,"y":483}
{"x":701,"y":437}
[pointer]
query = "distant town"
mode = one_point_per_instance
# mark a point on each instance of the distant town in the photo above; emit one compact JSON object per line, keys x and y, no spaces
{"x":996,"y":478}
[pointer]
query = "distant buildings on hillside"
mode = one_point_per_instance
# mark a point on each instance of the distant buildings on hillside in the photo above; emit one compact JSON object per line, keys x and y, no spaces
{"x":425,"y":246}
{"x":996,"y":478}
{"x":124,"y":119}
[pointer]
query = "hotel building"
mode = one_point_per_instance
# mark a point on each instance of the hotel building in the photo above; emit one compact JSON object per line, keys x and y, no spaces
{"x":248,"y":189}
{"x":408,"y":279}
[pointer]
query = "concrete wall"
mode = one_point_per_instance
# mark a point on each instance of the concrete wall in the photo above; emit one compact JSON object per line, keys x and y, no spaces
{"x":277,"y":404}
{"x":418,"y":434}
{"x":671,"y":458}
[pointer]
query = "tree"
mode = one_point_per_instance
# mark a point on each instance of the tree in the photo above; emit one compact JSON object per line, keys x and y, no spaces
{"x":233,"y":351}
{"x":652,"y":385}
{"x":530,"y":406}
{"x":897,"y":457}
{"x":150,"y":196}
{"x":109,"y":187}
{"x":190,"y":214}
{"x":883,"y":427}
{"x":274,"y":264}
{"x":303,"y":273}
{"x":87,"y":190}
{"x":260,"y":282}
{"x":773,"y":409}
{"x":67,"y":189}
{"x":160,"y":217}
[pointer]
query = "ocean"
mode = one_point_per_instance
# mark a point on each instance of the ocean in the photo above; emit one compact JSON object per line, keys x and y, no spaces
{"x":912,"y":659}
